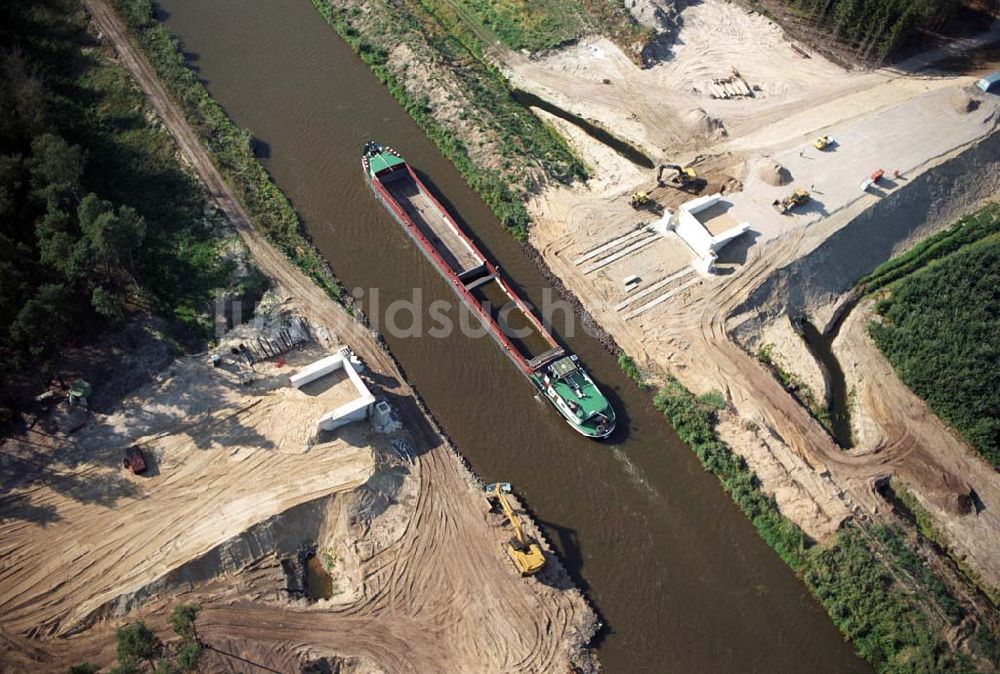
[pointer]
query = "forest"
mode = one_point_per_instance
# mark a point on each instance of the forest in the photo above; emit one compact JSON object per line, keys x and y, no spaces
{"x":938,"y":327}
{"x":97,"y":218}
{"x":874,"y":29}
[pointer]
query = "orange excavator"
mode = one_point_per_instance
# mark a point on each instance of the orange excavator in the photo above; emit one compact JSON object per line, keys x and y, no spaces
{"x":522,"y":549}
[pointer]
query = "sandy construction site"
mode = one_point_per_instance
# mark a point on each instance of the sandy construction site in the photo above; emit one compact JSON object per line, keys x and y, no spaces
{"x":242,"y":488}
{"x":238,"y":480}
{"x":742,"y":105}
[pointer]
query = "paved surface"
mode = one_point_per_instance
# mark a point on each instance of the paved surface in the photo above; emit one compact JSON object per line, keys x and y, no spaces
{"x":901,"y":138}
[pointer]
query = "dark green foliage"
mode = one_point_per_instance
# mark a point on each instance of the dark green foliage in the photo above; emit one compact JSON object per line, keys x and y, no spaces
{"x":887,"y":625}
{"x":873,"y":29}
{"x":182,"y":621}
{"x":96,"y":214}
{"x":136,"y":642}
{"x":939,"y":330}
{"x":231,"y":147}
{"x":42,"y":324}
{"x":188,"y":655}
{"x":631,"y":370}
{"x":973,"y":227}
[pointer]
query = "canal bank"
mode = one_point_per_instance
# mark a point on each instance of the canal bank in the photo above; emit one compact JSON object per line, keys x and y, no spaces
{"x":679,"y":575}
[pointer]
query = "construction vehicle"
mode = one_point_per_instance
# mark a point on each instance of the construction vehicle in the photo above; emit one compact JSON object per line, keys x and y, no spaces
{"x":134,"y":460}
{"x":872,"y":180}
{"x":522,"y":549}
{"x":679,"y":177}
{"x":643,"y":200}
{"x":639,"y":200}
{"x":796,"y":198}
{"x":823,"y":142}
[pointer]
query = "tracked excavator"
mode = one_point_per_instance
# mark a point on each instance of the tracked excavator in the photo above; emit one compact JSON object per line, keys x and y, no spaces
{"x":680,"y":177}
{"x":522,"y":549}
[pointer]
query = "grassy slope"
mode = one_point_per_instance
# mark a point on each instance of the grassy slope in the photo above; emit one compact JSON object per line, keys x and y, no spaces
{"x":501,"y":149}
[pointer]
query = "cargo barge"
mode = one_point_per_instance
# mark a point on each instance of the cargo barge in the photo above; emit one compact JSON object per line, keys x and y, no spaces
{"x":559,"y":376}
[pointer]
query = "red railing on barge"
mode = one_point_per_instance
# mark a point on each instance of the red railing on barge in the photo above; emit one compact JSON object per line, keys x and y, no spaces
{"x":453,"y":277}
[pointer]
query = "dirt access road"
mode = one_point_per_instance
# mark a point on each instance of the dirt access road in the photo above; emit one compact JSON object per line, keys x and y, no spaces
{"x":441,"y":597}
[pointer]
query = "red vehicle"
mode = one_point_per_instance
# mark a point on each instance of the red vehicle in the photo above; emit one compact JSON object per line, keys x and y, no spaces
{"x":134,"y":460}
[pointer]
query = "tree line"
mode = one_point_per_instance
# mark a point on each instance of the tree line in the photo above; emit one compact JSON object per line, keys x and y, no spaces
{"x":874,"y":29}
{"x":97,"y":217}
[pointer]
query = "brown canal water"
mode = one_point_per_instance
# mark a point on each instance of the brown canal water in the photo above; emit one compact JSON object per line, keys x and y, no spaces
{"x":678,"y":574}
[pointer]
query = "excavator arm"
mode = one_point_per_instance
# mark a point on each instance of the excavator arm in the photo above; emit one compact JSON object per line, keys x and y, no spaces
{"x":522,"y":550}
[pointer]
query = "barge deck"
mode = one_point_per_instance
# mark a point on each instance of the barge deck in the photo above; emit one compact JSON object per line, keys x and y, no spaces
{"x":507,"y":318}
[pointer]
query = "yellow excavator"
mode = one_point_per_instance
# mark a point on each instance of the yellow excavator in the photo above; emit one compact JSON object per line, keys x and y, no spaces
{"x":522,"y":549}
{"x":681,"y":177}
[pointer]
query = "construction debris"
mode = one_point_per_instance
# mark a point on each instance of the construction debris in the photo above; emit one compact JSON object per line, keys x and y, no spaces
{"x":733,"y":86}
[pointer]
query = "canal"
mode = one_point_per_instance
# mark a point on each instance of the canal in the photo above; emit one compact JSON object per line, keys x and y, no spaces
{"x":680,"y":577}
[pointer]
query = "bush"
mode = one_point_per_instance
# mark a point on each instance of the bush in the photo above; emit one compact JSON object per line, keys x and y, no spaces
{"x":182,"y":621}
{"x":188,"y":656}
{"x":137,"y":642}
{"x":939,"y":331}
{"x":631,"y":370}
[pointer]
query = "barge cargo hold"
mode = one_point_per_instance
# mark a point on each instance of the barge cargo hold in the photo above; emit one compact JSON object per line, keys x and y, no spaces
{"x":559,"y":376}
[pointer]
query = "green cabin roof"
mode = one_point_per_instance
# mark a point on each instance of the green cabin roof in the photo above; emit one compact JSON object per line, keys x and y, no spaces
{"x":383,"y":161}
{"x":569,"y":379}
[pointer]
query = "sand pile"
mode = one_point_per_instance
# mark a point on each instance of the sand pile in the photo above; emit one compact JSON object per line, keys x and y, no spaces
{"x":700,"y":122}
{"x":963,"y":103}
{"x":771,"y":172}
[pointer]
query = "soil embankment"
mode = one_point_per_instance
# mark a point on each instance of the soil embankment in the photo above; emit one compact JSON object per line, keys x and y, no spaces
{"x":816,"y":281}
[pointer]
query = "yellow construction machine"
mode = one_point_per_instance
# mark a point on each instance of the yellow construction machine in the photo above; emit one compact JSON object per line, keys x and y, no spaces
{"x":521,"y":549}
{"x":796,"y":198}
{"x":680,"y":177}
{"x":639,"y":200}
{"x":823,"y":142}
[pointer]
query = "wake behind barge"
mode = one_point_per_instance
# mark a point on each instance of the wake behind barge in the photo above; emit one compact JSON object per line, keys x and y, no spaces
{"x":558,"y":375}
